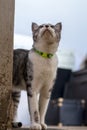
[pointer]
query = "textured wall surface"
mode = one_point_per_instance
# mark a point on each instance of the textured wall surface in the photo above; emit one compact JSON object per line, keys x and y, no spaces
{"x":6,"y":45}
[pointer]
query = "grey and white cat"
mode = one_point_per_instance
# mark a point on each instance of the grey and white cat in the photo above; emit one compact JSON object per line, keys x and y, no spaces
{"x":35,"y":71}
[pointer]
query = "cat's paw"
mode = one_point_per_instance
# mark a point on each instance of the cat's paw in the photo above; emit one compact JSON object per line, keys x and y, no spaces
{"x":35,"y":126}
{"x":44,"y":126}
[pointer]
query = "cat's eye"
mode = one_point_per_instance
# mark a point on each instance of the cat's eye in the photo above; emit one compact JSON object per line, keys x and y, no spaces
{"x":41,"y":26}
{"x":52,"y":26}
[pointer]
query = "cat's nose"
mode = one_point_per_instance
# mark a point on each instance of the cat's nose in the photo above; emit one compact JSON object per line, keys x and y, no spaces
{"x":46,"y":26}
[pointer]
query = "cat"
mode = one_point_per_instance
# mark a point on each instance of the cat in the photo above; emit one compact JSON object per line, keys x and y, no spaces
{"x":35,"y":71}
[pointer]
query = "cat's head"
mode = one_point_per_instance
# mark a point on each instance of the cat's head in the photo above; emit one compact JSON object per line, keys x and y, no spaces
{"x":46,"y":36}
{"x":47,"y":32}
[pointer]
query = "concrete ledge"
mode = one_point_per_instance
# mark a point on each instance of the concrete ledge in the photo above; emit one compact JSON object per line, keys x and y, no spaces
{"x":57,"y":128}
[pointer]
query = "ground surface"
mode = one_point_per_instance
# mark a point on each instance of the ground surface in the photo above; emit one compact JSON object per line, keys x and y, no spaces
{"x":57,"y":128}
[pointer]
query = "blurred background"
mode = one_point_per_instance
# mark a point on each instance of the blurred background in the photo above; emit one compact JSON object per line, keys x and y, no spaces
{"x":72,"y":14}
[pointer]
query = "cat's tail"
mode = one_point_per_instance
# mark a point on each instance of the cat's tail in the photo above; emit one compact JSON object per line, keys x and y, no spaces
{"x":16,"y":98}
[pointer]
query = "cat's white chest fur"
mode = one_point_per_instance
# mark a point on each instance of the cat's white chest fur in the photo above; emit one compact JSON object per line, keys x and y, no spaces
{"x":44,"y":69}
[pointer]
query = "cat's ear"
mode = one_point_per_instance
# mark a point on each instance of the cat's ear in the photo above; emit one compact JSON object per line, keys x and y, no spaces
{"x":58,"y":27}
{"x":34,"y":27}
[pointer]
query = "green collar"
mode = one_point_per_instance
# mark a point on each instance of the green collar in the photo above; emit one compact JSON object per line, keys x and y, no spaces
{"x":43,"y":54}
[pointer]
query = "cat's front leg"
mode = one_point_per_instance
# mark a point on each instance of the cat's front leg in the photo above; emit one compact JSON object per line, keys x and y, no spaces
{"x":43,"y":108}
{"x":43,"y":102}
{"x":34,"y":112}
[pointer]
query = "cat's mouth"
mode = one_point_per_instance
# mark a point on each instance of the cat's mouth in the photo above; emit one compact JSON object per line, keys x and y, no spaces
{"x":47,"y":32}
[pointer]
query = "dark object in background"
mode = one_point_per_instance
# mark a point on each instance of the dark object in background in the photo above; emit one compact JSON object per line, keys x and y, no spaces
{"x":65,"y":112}
{"x":51,"y":117}
{"x":84,"y":63}
{"x":63,"y":76}
{"x":16,"y":124}
{"x":77,"y":88}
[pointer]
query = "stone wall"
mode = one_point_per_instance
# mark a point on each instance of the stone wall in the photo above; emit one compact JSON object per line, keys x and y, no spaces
{"x":6,"y":56}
